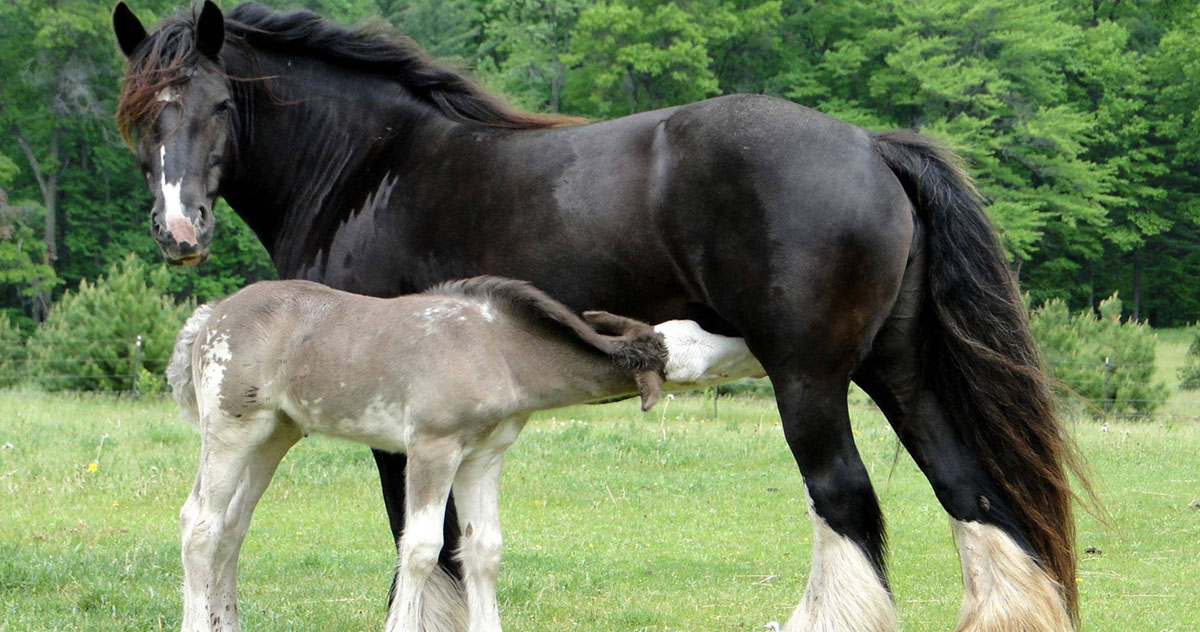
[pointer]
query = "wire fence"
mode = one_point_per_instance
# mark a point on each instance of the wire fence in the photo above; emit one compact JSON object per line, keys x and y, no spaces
{"x":85,"y":364}
{"x":123,"y":366}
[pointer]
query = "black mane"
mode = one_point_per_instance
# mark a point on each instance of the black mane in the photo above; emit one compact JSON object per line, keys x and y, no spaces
{"x":168,"y":53}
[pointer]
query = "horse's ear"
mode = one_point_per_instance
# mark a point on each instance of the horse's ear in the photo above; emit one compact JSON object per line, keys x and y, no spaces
{"x":210,"y":30}
{"x":128,"y":28}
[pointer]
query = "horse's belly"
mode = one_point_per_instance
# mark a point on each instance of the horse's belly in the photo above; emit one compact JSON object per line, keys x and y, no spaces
{"x":697,"y":358}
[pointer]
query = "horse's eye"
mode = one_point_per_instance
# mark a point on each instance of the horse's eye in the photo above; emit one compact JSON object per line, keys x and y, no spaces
{"x":222,"y":107}
{"x":214,"y":160}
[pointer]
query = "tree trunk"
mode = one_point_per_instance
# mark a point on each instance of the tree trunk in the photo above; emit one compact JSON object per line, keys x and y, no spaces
{"x":1137,"y":285}
{"x":1091,"y":286}
{"x":48,"y":183}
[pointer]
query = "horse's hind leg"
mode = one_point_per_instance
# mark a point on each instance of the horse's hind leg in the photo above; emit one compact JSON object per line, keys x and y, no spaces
{"x":429,"y":475}
{"x":1005,"y":588}
{"x":258,"y":475}
{"x":234,"y":470}
{"x":846,"y":586}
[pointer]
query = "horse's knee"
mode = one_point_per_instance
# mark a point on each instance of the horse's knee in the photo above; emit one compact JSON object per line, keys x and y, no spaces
{"x":420,"y":554}
{"x":187,"y":513}
{"x":201,"y":534}
{"x":481,"y":551}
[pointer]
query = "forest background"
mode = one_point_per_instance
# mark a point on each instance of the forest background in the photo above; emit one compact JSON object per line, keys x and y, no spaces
{"x":1077,"y":118}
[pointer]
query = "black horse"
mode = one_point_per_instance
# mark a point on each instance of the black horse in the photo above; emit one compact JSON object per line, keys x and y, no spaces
{"x":837,"y":253}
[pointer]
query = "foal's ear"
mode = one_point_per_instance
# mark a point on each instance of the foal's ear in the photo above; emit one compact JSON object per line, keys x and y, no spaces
{"x":128,"y":28}
{"x":608,"y":324}
{"x":210,"y":30}
{"x":649,"y":385}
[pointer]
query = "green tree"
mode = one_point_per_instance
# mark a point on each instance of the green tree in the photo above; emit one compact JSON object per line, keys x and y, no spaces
{"x":89,"y":340}
{"x":990,"y":76}
{"x":524,"y":42}
{"x":24,"y":279}
{"x":450,"y":29}
{"x":1189,"y":373}
{"x":62,"y":72}
{"x":12,"y":352}
{"x":1100,"y":357}
{"x":627,"y":59}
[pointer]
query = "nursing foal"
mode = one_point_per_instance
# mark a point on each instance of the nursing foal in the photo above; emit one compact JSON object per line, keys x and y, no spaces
{"x":448,"y":377}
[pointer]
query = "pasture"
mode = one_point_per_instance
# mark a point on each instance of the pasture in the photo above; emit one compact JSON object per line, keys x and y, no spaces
{"x":613,"y":520}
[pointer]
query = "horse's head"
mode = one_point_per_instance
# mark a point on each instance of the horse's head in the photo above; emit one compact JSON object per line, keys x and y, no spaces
{"x":176,"y":108}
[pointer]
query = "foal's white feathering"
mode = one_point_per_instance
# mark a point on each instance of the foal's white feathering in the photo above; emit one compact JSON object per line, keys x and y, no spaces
{"x":179,"y":369}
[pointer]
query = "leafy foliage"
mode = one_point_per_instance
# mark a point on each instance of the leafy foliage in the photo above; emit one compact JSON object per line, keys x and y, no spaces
{"x":12,"y":352}
{"x":89,"y":340}
{"x":1189,"y":373}
{"x":1100,"y":357}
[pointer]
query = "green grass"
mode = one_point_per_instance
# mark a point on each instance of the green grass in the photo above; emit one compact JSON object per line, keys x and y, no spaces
{"x":613,"y":520}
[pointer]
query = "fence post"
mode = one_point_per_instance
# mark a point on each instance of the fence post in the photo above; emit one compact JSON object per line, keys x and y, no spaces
{"x":137,"y":365}
{"x":1104,"y":385}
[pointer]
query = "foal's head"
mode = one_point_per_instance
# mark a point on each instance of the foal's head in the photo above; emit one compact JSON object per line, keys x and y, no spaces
{"x":176,"y":106}
{"x":639,"y":349}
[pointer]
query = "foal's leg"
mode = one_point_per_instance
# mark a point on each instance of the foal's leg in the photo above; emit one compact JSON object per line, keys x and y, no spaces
{"x":225,"y":457}
{"x":432,"y":463}
{"x":477,"y":486}
{"x":254,"y":482}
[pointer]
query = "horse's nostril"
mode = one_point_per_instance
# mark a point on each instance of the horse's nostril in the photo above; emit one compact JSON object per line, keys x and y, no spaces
{"x":158,"y":227}
{"x":203,"y":211}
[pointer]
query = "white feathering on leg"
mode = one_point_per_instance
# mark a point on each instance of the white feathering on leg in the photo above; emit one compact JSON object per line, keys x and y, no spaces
{"x":1005,"y":589}
{"x":844,"y":593}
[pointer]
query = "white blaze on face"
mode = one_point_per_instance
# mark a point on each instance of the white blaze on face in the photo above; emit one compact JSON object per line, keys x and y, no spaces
{"x":178,"y":225}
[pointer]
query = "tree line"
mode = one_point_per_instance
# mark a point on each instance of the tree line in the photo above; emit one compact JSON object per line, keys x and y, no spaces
{"x":1076,"y":118}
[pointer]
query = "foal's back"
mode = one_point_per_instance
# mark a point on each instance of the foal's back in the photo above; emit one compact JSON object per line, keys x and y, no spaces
{"x":374,"y":370}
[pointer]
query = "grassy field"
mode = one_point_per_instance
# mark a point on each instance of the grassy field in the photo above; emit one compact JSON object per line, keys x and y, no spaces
{"x":614,"y":520}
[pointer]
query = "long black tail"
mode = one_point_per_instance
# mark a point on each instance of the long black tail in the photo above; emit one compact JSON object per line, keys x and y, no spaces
{"x":980,"y":356}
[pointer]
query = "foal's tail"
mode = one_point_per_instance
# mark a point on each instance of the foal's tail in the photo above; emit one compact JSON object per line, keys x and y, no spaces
{"x":179,"y":369}
{"x":980,"y":355}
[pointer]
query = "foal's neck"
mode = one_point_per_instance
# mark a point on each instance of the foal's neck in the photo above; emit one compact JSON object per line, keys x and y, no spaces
{"x":317,"y":144}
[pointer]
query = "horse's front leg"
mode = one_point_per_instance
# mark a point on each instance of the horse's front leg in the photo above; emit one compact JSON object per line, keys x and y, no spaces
{"x":477,"y":495}
{"x":210,"y":519}
{"x":429,"y":474}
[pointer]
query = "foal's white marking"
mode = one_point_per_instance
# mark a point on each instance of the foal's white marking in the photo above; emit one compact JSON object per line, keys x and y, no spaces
{"x":167,"y":95}
{"x":216,"y":353}
{"x":176,"y":222}
{"x":1004,"y":588}
{"x":697,"y":357}
{"x":844,"y":592}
